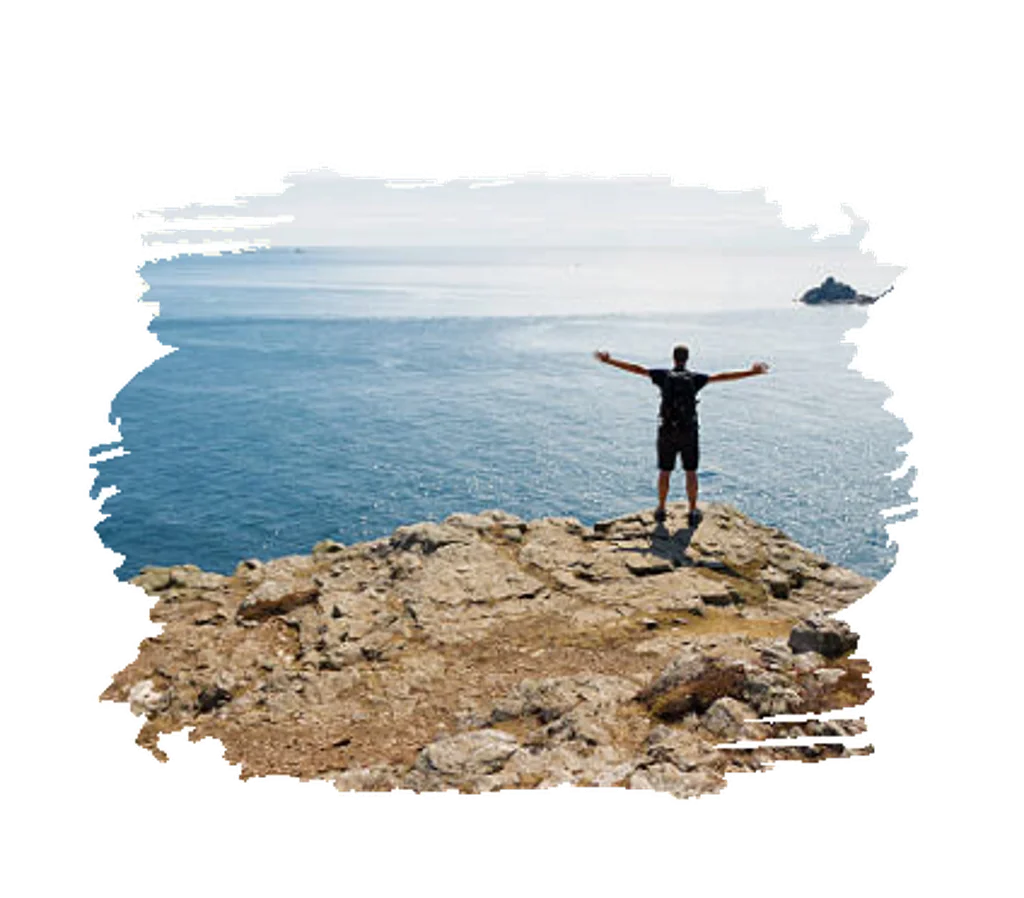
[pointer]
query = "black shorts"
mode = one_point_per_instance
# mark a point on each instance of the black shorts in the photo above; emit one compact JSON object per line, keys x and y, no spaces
{"x":673,"y":442}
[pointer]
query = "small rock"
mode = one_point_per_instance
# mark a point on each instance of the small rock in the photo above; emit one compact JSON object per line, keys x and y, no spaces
{"x":377,"y":646}
{"x":828,"y":728}
{"x":249,"y":571}
{"x":466,"y":754}
{"x":684,"y":667}
{"x":668,"y":778}
{"x":550,"y":697}
{"x":572,"y":526}
{"x":829,"y":676}
{"x":153,"y":579}
{"x":339,"y":656}
{"x":771,"y":692}
{"x":727,"y":718}
{"x":691,"y":683}
{"x":487,"y":520}
{"x":718,"y":594}
{"x":211,"y":698}
{"x":378,"y":778}
{"x":145,"y":698}
{"x":274,"y":597}
{"x":823,"y":634}
{"x":647,"y":567}
{"x":581,"y":725}
{"x":188,"y":576}
{"x":360,"y":627}
{"x":427,"y":537}
{"x":806,"y":662}
{"x":776,"y":656}
{"x":777,"y":583}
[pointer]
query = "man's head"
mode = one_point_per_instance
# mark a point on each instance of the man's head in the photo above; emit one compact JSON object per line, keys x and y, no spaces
{"x":681,"y":355}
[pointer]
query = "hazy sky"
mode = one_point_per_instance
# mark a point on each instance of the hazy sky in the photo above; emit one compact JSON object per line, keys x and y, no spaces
{"x":729,"y":236}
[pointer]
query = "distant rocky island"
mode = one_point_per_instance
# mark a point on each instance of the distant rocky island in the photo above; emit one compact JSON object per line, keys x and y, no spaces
{"x":833,"y":291}
{"x":487,"y":652}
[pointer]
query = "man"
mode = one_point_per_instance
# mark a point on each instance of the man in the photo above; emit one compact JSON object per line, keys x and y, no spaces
{"x":678,"y":432}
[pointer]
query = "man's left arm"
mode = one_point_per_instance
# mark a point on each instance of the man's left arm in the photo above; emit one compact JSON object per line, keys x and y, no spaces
{"x":752,"y":371}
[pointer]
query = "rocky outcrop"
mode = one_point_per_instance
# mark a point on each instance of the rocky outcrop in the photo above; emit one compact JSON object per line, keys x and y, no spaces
{"x":831,"y":291}
{"x":486,"y":652}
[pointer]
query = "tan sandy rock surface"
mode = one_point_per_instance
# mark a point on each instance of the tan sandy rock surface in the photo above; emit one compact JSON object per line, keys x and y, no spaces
{"x":486,"y":652}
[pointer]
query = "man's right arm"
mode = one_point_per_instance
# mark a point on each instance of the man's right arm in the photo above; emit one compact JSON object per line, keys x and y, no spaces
{"x":618,"y":363}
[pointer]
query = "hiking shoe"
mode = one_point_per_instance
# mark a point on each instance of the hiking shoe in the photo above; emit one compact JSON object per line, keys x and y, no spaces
{"x":659,"y":515}
{"x":694,"y":518}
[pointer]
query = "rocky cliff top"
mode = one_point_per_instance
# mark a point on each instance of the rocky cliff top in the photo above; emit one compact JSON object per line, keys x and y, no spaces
{"x":487,"y":652}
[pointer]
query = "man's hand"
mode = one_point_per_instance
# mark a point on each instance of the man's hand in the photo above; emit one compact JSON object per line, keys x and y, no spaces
{"x":602,"y":356}
{"x":759,"y":368}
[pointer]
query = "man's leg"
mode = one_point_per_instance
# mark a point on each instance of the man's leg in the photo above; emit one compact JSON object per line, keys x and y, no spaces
{"x":664,"y":479}
{"x":691,"y":461}
{"x":691,"y":489}
{"x":666,"y":462}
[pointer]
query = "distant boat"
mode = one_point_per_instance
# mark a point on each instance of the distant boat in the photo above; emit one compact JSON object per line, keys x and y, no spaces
{"x":298,"y":249}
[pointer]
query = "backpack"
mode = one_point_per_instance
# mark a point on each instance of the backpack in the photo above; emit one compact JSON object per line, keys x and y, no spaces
{"x":679,"y":399}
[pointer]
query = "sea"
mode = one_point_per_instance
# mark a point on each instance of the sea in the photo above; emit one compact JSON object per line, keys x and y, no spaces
{"x":340,"y":393}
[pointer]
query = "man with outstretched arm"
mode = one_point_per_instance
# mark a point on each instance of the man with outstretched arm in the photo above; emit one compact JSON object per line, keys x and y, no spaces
{"x":678,"y":432}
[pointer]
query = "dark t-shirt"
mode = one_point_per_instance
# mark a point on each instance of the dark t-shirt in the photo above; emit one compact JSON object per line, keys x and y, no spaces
{"x":658,"y":376}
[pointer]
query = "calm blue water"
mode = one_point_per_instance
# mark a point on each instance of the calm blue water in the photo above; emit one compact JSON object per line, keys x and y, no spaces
{"x":284,"y":419}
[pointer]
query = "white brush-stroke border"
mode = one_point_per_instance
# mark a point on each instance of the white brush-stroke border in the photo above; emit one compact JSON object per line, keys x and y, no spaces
{"x":148,"y":218}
